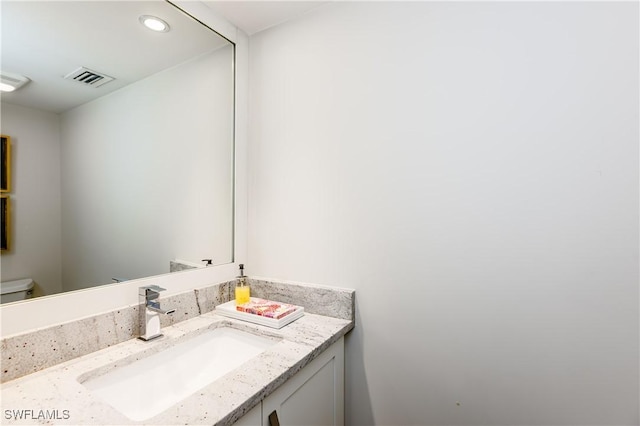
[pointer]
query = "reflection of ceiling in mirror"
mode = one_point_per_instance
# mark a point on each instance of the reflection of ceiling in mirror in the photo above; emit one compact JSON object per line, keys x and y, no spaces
{"x":46,"y":40}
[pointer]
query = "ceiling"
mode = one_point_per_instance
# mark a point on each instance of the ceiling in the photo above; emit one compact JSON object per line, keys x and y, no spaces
{"x":46,"y":40}
{"x":255,"y":16}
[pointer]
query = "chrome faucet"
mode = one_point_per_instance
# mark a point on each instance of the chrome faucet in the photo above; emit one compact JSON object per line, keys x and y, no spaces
{"x":150,"y":310}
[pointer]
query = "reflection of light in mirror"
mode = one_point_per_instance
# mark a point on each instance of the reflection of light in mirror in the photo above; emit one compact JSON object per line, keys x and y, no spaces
{"x":154,"y":23}
{"x":10,"y":82}
{"x":6,"y":87}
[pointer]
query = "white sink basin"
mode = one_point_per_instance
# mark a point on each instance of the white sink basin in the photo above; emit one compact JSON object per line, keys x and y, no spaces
{"x":148,"y":386}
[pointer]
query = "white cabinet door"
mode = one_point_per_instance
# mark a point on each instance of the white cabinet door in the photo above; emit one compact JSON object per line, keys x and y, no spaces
{"x":313,"y":397}
{"x":251,"y":418}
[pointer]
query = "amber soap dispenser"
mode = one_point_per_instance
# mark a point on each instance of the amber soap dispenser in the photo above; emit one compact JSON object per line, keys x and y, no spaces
{"x":243,"y":291}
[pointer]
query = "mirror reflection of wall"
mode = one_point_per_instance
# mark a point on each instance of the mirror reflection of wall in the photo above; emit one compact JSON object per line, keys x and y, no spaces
{"x":119,"y":186}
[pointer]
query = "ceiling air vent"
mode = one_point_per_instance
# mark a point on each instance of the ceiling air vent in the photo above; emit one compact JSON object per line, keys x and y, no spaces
{"x":88,"y":77}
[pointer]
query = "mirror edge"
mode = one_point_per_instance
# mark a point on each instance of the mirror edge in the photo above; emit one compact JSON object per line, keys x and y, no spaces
{"x":16,"y":318}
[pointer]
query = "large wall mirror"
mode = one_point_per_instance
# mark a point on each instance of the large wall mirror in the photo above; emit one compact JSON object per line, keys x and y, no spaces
{"x":127,"y":178}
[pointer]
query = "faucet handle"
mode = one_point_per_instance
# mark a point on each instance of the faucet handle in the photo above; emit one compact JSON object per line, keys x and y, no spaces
{"x":149,"y":290}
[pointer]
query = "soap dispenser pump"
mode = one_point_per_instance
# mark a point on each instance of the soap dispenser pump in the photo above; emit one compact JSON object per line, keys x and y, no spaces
{"x":243,"y":291}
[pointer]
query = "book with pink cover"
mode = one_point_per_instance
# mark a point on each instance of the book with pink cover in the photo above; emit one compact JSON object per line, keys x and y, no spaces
{"x":266,"y":308}
{"x":261,"y":311}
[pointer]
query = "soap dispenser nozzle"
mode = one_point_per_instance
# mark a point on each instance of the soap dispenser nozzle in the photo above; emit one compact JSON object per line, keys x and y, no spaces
{"x":241,"y":276}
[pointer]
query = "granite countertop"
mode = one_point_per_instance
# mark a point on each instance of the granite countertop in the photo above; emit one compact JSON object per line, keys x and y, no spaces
{"x":56,"y":393}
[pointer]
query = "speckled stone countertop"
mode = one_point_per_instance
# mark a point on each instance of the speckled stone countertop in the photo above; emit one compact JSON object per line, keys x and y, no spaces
{"x":42,"y":369}
{"x":57,"y":392}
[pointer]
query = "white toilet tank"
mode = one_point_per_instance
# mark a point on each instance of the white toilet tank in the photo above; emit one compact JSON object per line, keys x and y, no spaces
{"x":10,"y":291}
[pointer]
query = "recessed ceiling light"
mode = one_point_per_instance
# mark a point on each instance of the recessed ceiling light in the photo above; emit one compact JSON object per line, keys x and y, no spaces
{"x":10,"y":82}
{"x":154,"y":23}
{"x":4,"y":87}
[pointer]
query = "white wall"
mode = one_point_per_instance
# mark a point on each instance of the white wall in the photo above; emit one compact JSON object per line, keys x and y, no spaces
{"x":34,"y":197}
{"x":165,"y":143}
{"x":471,"y":169}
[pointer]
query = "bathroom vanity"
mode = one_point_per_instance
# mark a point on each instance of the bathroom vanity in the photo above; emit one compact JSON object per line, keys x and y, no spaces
{"x":314,"y":395}
{"x":296,"y":374}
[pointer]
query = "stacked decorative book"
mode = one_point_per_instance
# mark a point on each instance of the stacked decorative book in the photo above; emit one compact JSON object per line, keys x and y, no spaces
{"x":262,"y":311}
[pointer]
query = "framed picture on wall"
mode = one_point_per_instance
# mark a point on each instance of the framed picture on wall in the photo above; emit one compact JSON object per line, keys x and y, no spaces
{"x":4,"y":227}
{"x":5,"y":176}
